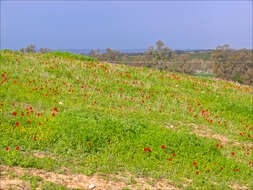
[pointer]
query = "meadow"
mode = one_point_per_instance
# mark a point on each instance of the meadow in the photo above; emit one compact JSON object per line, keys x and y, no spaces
{"x":70,"y":114}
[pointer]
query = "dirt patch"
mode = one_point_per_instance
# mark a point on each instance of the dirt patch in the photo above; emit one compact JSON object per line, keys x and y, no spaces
{"x":204,"y":131}
{"x":207,"y":133}
{"x":13,"y":183}
{"x":236,"y":187}
{"x":42,"y":155}
{"x":82,"y":181}
{"x":144,"y":183}
{"x":224,"y":140}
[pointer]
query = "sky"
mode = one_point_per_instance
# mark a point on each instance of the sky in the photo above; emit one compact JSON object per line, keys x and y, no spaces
{"x":126,"y":24}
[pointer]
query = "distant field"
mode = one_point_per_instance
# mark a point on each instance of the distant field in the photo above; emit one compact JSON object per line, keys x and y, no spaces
{"x":120,"y":127}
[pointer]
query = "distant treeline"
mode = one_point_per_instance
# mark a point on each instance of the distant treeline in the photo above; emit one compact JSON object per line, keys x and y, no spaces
{"x":223,"y":62}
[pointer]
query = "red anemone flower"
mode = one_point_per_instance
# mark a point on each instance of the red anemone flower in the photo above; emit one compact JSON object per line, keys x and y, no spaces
{"x":147,"y":149}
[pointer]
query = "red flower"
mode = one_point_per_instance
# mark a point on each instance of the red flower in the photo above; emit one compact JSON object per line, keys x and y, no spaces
{"x":194,"y":163}
{"x":14,"y":113}
{"x":207,"y":170}
{"x":147,"y":149}
{"x":217,"y":145}
{"x":237,"y":169}
{"x":55,"y":109}
{"x":17,"y":148}
{"x":197,"y":172}
{"x":35,"y":139}
{"x":174,"y":155}
{"x":53,"y":114}
{"x":89,"y":144}
{"x":17,"y":123}
{"x":7,"y":148}
{"x":170,"y":159}
{"x":243,"y":146}
{"x":28,"y":121}
{"x":250,"y":163}
{"x":233,"y":153}
{"x":163,"y":146}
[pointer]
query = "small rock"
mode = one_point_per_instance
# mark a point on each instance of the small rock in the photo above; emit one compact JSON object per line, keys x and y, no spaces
{"x":91,"y":186}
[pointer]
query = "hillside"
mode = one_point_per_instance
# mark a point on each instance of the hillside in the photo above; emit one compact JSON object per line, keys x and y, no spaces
{"x":120,"y":127}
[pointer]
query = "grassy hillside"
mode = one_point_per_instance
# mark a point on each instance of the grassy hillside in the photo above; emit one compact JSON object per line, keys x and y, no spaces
{"x":90,"y":117}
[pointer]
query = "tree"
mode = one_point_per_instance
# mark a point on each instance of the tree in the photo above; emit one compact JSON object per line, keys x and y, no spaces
{"x":183,"y":64}
{"x":232,"y":64}
{"x":92,"y":53}
{"x":31,"y":49}
{"x":44,"y":50}
{"x":148,"y":57}
{"x":220,"y":58}
{"x":159,"y":45}
{"x":162,"y":55}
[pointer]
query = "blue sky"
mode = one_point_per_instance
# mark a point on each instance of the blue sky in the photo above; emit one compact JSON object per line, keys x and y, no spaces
{"x":126,"y":24}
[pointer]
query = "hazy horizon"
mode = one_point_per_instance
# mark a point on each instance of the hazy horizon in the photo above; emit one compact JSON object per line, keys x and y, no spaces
{"x":126,"y":24}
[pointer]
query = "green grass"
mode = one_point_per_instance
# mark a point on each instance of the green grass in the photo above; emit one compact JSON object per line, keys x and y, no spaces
{"x":111,"y":113}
